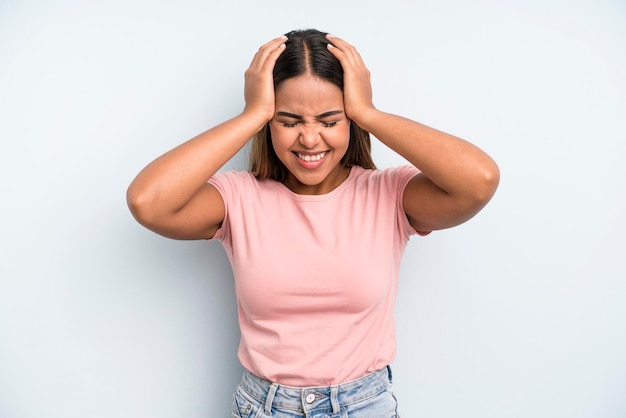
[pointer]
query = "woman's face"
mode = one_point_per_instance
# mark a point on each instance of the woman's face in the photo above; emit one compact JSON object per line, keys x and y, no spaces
{"x":310,"y":133}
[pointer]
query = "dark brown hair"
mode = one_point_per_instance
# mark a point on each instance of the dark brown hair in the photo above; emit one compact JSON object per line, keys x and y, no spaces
{"x":306,"y":52}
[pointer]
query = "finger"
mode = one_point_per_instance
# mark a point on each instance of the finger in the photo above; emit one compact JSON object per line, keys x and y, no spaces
{"x":280,"y":39}
{"x":340,"y":43}
{"x":346,"y":53}
{"x":270,"y":60}
{"x":266,"y":49}
{"x":335,"y":39}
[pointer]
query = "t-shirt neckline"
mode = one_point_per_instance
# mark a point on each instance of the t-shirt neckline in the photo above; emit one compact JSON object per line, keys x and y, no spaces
{"x":319,"y":197}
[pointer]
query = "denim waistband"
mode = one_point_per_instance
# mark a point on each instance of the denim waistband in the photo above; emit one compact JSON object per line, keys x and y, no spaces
{"x":307,"y":399}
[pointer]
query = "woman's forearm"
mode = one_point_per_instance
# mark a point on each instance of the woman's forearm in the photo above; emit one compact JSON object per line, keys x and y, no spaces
{"x":453,"y":164}
{"x":171,"y":180}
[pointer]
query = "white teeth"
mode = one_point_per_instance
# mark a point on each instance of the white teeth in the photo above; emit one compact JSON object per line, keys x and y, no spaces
{"x":309,"y":158}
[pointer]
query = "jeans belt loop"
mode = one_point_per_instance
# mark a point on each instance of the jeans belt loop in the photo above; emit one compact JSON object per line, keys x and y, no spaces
{"x":334,"y":401}
{"x":270,"y":398}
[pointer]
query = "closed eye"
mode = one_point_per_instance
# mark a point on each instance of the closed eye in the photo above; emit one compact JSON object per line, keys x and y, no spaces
{"x":299,"y":119}
{"x":294,"y":124}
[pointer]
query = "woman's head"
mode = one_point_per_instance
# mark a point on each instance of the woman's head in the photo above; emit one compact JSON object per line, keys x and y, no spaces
{"x":307,"y":52}
{"x":306,"y":56}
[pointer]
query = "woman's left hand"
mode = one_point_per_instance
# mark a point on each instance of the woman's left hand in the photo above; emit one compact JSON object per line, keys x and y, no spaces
{"x":357,"y":87}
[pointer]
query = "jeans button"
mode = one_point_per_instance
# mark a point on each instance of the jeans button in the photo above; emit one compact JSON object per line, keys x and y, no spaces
{"x":310,"y":398}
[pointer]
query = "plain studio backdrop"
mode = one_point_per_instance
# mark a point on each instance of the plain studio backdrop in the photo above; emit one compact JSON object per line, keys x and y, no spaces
{"x":519,"y":313}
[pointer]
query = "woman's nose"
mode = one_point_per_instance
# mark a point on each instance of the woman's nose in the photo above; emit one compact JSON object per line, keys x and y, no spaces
{"x":309,"y":135}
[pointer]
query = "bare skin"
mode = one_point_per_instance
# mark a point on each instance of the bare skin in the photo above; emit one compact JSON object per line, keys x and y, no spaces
{"x":313,"y":126}
{"x":171,"y":197}
{"x":457,"y":179}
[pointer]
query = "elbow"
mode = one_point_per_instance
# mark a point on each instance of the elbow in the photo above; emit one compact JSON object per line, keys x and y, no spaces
{"x":487,"y":183}
{"x":139,"y":204}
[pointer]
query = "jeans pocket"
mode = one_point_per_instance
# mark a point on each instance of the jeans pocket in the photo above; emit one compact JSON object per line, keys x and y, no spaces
{"x":242,"y":406}
{"x":382,"y":405}
{"x":393,"y":395}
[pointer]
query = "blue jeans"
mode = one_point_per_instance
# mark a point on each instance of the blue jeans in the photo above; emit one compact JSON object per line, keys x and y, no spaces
{"x":367,"y":397}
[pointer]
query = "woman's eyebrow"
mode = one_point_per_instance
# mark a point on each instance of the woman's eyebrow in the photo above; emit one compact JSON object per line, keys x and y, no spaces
{"x":329,"y":113}
{"x":289,"y":115}
{"x":320,"y":116}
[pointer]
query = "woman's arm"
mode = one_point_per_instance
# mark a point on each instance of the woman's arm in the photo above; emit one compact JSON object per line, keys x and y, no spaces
{"x":171,"y":195}
{"x":457,"y":178}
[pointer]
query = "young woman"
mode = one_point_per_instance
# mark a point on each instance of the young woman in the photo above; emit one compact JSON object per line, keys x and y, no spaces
{"x":314,"y":231}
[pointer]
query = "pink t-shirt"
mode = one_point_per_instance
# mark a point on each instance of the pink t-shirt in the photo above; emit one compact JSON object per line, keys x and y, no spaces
{"x":316,"y":275}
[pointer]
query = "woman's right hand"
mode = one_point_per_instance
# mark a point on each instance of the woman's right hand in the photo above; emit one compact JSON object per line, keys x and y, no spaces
{"x":171,"y":195}
{"x":259,"y":79}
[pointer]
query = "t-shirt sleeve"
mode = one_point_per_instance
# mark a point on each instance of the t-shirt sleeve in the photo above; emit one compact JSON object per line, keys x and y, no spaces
{"x":229,"y":185}
{"x":400,"y":178}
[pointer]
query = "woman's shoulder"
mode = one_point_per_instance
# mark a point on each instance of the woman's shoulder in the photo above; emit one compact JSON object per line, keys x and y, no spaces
{"x":233,"y":177}
{"x":385,"y":176}
{"x":243,"y":182}
{"x":232,"y":183}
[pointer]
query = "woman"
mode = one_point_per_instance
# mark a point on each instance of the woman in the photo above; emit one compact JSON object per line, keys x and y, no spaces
{"x":314,"y":232}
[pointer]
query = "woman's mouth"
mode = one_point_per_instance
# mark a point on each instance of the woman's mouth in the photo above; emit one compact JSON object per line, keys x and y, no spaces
{"x":311,"y":157}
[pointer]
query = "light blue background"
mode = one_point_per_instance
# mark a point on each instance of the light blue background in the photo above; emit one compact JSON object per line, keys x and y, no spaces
{"x":519,"y":313}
